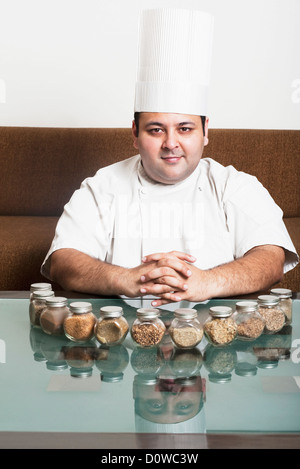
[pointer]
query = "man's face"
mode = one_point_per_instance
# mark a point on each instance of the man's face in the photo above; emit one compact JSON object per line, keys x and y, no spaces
{"x":170,"y":145}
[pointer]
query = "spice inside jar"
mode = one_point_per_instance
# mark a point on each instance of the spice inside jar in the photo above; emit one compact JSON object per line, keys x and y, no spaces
{"x":285,"y":302}
{"x":79,"y":324}
{"x":250,"y":324}
{"x":185,"y":329}
{"x":111,"y":328}
{"x":37,"y":305}
{"x":269,"y":309}
{"x":147,"y":329}
{"x":220,"y":328}
{"x":54,"y":314}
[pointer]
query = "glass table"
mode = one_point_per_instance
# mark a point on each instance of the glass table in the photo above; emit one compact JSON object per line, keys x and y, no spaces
{"x":55,"y":393}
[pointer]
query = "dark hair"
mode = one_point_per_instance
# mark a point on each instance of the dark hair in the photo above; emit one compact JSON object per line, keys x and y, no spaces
{"x":137,"y":119}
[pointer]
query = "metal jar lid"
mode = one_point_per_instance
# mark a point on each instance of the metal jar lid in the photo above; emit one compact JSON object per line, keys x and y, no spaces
{"x":80,"y":307}
{"x":148,"y":313}
{"x":268,"y":300}
{"x":111,"y":311}
{"x":282,"y":292}
{"x":246,"y":306}
{"x":185,"y":313}
{"x":42,"y":294}
{"x":56,"y":301}
{"x":40,"y":286}
{"x":220,"y":311}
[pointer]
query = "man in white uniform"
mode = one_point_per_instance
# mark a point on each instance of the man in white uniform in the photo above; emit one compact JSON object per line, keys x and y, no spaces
{"x":165,"y":222}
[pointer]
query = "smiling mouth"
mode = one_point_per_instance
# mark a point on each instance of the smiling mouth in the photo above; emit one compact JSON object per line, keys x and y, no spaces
{"x":171,"y":158}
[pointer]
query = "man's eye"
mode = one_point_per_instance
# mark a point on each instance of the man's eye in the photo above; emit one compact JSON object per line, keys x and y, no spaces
{"x":155,"y":130}
{"x":185,"y":129}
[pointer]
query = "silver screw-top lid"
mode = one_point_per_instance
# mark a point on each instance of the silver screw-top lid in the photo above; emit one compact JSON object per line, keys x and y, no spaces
{"x":268,"y":300}
{"x":57,"y":301}
{"x":80,"y":307}
{"x":220,"y":311}
{"x":246,"y":306}
{"x":42,"y":293}
{"x":40,"y":286}
{"x":148,"y":313}
{"x":185,"y":313}
{"x":111,"y":311}
{"x":281,"y":292}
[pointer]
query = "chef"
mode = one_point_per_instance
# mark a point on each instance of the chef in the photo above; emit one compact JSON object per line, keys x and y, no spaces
{"x":167,"y":222}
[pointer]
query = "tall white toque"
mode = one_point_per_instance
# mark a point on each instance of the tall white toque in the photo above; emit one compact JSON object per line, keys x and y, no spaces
{"x":175,"y":48}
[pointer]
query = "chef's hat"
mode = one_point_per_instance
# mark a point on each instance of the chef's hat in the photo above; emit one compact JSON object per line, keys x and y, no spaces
{"x":175,"y":48}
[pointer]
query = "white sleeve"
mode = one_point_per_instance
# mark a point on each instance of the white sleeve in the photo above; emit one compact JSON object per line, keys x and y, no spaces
{"x":85,"y":224}
{"x":254,"y":219}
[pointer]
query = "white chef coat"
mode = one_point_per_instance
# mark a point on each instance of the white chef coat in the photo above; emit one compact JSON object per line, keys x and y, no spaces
{"x":217,"y":214}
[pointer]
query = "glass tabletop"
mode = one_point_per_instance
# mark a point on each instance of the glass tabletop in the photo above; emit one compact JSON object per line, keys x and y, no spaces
{"x":51,"y":384}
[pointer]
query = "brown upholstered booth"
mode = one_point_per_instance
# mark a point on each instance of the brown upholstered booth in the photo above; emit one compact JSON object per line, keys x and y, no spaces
{"x":41,"y":168}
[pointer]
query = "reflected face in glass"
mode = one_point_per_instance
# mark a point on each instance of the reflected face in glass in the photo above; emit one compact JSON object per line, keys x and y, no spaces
{"x":168,"y":401}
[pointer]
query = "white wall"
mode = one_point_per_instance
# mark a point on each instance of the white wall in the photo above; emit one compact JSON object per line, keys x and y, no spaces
{"x":73,"y":62}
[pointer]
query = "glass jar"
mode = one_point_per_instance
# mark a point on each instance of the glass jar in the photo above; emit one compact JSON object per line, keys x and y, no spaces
{"x":249,"y":322}
{"x":39,"y":286}
{"x":148,"y":329}
{"x":269,"y":309}
{"x":185,"y":363}
{"x":112,"y":362}
{"x":79,"y":324}
{"x":37,"y":304}
{"x":111,"y":328}
{"x":54,"y":314}
{"x":185,"y":329}
{"x":220,"y":363}
{"x":220,"y":328}
{"x":285,"y":302}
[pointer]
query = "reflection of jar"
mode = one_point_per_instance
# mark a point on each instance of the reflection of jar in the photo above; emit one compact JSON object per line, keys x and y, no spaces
{"x":186,"y":363}
{"x":111,"y":328}
{"x":38,"y":287}
{"x":37,"y":304}
{"x":285,"y":302}
{"x":220,"y":362}
{"x":111,"y":362}
{"x":52,"y":348}
{"x":250,"y":324}
{"x":220,"y":329}
{"x":147,"y":329}
{"x":54,"y":314}
{"x":36,"y":339}
{"x":79,"y":324}
{"x":185,"y":329}
{"x":274,"y":347}
{"x":146,"y":361}
{"x":80,"y":358}
{"x":269,"y":309}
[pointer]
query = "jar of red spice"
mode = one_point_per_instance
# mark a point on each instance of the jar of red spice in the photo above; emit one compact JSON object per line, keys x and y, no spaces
{"x":80,"y":322}
{"x":54,"y":314}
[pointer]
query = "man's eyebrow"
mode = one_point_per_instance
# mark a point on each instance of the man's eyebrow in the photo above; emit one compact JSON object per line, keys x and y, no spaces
{"x":180,"y":124}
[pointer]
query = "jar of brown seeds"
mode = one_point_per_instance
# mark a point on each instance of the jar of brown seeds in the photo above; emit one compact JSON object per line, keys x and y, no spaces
{"x":79,"y":324}
{"x":220,"y":328}
{"x":273,"y":315}
{"x":148,"y":329}
{"x":111,"y":328}
{"x":250,"y":324}
{"x":285,"y":302}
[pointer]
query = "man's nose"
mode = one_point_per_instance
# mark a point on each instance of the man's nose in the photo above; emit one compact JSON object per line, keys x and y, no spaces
{"x":170,"y":141}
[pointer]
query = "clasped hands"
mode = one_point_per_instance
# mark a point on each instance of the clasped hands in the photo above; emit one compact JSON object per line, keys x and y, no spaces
{"x":169,"y":276}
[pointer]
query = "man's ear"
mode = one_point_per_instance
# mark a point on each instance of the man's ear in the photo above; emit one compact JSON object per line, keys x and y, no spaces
{"x":206,"y":132}
{"x":134,"y":135}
